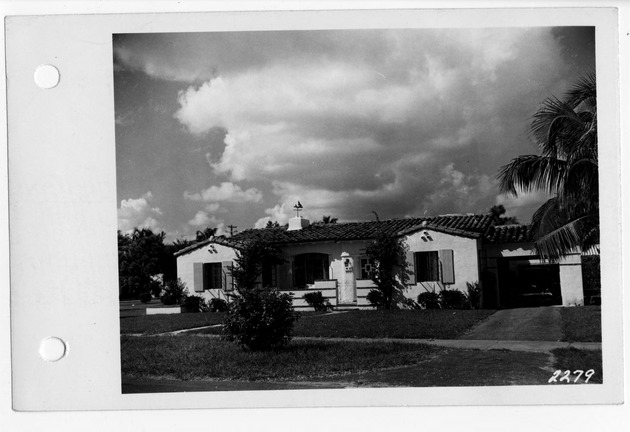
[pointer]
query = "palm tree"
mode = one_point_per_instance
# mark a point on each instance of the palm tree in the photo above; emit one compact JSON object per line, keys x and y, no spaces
{"x":205,"y":234}
{"x":329,"y":219}
{"x":567,"y":168}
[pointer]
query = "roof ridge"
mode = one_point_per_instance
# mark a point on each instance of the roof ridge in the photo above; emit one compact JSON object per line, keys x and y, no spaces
{"x":469,"y":225}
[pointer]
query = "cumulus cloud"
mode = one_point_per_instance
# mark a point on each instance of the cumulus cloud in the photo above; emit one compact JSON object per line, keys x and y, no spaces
{"x":402,"y":122}
{"x":138,"y":213}
{"x":227,"y":191}
{"x":200,"y":219}
{"x":392,"y":126}
{"x":277,"y":213}
{"x":462,"y":193}
{"x":522,"y":205}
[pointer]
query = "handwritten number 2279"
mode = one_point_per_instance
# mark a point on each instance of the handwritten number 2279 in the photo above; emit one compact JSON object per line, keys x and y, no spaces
{"x":560,"y":376}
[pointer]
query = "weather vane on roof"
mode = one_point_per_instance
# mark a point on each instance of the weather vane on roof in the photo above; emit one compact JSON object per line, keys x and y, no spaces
{"x":298,"y":207}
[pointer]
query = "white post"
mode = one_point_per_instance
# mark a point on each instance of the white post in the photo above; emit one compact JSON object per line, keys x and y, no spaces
{"x":571,"y":286}
{"x":347,"y":282}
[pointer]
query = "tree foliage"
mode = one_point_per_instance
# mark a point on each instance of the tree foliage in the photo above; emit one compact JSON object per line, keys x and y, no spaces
{"x":205,"y":234}
{"x":390,"y":273}
{"x":169,"y":267}
{"x":141,"y":257}
{"x":497,"y":212}
{"x":566,"y":168}
{"x":249,"y":261}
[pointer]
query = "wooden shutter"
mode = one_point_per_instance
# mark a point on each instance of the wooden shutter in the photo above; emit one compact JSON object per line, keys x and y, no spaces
{"x":448,"y":268}
{"x":411,"y":266}
{"x":198,"y":277}
{"x":226,"y":268}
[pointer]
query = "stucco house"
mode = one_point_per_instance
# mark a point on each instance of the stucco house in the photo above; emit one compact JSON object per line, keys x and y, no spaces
{"x":445,"y":252}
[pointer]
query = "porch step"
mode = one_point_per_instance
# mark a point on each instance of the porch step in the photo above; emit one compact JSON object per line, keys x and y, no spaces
{"x":347,"y":306}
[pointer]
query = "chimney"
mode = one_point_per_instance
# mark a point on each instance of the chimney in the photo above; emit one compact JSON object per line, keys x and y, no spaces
{"x":297,"y":223}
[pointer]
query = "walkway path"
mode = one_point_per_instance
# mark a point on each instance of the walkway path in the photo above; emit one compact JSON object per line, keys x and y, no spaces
{"x":523,"y":324}
{"x":483,"y":345}
{"x":533,"y":346}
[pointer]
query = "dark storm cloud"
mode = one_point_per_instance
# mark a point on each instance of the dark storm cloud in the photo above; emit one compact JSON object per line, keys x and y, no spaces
{"x":404,"y":121}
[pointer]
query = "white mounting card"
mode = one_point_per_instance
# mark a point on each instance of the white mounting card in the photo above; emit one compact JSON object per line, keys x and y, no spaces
{"x":63,"y":207}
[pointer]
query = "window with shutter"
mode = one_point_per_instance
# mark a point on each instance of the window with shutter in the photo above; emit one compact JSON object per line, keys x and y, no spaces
{"x":212,"y":276}
{"x":226,"y":268}
{"x":448,"y":268}
{"x":198,"y":277}
{"x":411,"y":263}
{"x":427,"y":266}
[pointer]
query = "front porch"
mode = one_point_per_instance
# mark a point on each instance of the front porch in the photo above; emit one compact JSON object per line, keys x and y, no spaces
{"x":330,"y":291}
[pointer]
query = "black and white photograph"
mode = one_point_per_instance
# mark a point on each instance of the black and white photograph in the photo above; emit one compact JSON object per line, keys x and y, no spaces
{"x":364,"y":219}
{"x":359,"y":208}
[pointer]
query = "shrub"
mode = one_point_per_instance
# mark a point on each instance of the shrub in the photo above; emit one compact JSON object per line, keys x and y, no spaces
{"x":453,"y":299}
{"x":316,"y":300}
{"x":408,"y":303}
{"x":145,"y":297}
{"x":195,"y":304}
{"x":429,"y":300}
{"x":376,"y":299}
{"x":174,"y":292}
{"x":260,"y":319}
{"x":155,"y":288}
{"x":218,"y":305}
{"x":474,"y":295}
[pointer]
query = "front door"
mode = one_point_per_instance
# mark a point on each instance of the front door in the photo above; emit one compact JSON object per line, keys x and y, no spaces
{"x":348,"y":283}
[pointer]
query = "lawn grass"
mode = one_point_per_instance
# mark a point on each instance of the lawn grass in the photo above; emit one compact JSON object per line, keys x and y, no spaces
{"x":196,"y":357}
{"x":458,"y":367}
{"x":154,"y":324}
{"x":582,"y":324}
{"x":420,"y":324}
{"x":573,"y":359}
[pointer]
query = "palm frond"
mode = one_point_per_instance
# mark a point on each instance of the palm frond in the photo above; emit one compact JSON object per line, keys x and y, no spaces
{"x":548,"y":217}
{"x":559,"y":242}
{"x":557,"y":127}
{"x":530,"y":173}
{"x":580,"y":194}
{"x":585,"y":88}
{"x":556,"y":235}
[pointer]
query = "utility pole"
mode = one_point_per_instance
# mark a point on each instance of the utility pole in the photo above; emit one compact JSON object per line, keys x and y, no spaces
{"x":232,"y":229}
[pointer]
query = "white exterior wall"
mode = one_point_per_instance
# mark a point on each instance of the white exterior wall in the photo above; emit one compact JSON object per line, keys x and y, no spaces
{"x":571,"y":281}
{"x":205,"y":254}
{"x":465,"y":259}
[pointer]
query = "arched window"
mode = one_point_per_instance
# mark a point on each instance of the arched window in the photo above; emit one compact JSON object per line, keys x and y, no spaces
{"x":307,"y":268}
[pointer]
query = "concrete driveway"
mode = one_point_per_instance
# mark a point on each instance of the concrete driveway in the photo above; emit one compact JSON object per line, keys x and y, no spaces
{"x":523,"y":324}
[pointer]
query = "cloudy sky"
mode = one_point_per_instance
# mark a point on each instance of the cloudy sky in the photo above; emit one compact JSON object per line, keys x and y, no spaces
{"x":214,"y":129}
